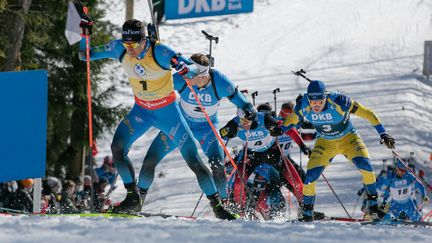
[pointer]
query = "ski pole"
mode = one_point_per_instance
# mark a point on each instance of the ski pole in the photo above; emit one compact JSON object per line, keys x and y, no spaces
{"x":244,"y":171}
{"x":196,"y":205}
{"x":212,"y":127}
{"x":334,"y":193}
{"x":211,"y":38}
{"x":254,"y":94}
{"x":90,"y":115}
{"x":301,"y":73}
{"x":153,"y":18}
{"x":355,"y":207}
{"x":298,"y":192}
{"x":274,"y":97}
{"x":202,"y":193}
{"x":112,"y":186}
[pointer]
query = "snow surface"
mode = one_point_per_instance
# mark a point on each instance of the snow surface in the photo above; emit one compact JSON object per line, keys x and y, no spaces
{"x":372,"y":50}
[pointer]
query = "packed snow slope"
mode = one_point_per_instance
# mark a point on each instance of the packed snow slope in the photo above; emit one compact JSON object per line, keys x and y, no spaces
{"x":372,"y":50}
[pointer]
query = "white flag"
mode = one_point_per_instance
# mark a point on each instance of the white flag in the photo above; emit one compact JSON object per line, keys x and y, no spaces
{"x":73,"y":31}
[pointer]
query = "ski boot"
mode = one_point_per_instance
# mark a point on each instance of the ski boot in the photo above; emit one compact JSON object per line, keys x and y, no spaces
{"x":374,"y":212}
{"x":318,"y":215}
{"x":219,"y":210}
{"x":133,"y":201}
{"x":306,"y":213}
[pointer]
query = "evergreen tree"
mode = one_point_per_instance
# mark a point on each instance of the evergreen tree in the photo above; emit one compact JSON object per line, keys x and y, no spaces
{"x":44,"y":46}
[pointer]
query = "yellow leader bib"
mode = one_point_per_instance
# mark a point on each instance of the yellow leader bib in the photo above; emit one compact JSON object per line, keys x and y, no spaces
{"x":148,"y":80}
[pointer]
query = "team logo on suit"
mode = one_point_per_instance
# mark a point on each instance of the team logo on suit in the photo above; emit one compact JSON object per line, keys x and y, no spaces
{"x":139,"y":70}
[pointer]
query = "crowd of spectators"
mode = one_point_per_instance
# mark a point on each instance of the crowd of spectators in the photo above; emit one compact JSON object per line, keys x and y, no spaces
{"x":61,"y":195}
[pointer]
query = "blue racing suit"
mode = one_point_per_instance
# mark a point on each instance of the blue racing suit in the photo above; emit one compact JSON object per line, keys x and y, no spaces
{"x":210,"y":95}
{"x":399,"y":195}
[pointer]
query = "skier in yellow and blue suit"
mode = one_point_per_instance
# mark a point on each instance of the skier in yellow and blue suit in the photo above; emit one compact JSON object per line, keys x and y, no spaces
{"x":330,"y":113}
{"x":148,"y":66}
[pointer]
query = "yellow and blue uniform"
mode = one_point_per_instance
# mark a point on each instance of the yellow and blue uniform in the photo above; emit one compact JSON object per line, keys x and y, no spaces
{"x":336,"y":135}
{"x":155,"y":106}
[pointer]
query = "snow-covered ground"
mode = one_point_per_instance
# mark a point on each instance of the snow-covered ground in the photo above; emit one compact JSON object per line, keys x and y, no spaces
{"x":372,"y":50}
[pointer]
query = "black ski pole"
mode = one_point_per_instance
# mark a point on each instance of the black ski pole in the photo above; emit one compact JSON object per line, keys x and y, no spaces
{"x":211,"y":38}
{"x":153,"y":19}
{"x":301,"y":73}
{"x":337,"y":197}
{"x":355,"y":207}
{"x":199,"y":200}
{"x":254,"y":94}
{"x":274,"y":97}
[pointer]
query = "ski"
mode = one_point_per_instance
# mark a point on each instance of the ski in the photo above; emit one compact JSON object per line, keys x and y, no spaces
{"x":398,"y":222}
{"x":107,"y":214}
{"x":165,"y":216}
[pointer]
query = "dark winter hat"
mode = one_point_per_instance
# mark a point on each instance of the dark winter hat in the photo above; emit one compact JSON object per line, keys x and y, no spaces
{"x":103,"y":179}
{"x":133,"y":30}
{"x":264,"y":107}
{"x":400,"y":165}
{"x":316,"y":90}
{"x":288,"y":105}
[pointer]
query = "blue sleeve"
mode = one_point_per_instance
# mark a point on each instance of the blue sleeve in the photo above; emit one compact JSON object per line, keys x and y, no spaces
{"x":164,"y":54}
{"x":113,"y":50}
{"x":226,"y":88}
{"x":343,"y":101}
{"x":419,"y":186}
{"x":179,"y":81}
{"x":380,"y":129}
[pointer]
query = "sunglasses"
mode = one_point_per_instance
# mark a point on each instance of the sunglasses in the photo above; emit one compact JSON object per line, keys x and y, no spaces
{"x":131,"y":44}
{"x":286,"y":112}
{"x":316,"y":102}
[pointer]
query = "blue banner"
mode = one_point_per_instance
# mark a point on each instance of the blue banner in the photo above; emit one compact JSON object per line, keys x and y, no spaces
{"x":23,"y":124}
{"x":180,"y":9}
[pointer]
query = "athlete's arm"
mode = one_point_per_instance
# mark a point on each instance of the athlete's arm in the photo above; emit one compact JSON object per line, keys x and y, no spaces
{"x":366,"y":113}
{"x":419,"y":186}
{"x":226,"y":88}
{"x":164,"y":56}
{"x":294,"y":118}
{"x":113,"y":50}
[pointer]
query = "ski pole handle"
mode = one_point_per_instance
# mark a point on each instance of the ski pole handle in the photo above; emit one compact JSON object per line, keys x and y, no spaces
{"x":210,"y":37}
{"x":301,"y":73}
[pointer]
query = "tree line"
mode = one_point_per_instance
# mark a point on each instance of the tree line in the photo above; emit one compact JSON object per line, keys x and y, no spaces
{"x":32,"y":37}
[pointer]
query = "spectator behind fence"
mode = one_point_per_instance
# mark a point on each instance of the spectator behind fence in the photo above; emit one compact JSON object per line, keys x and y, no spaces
{"x":7,"y":190}
{"x":67,"y":198}
{"x":22,"y":198}
{"x":99,"y":189}
{"x":107,"y":170}
{"x":79,"y":192}
{"x":49,"y":201}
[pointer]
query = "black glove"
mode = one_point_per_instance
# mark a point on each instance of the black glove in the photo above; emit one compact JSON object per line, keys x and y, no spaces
{"x":86,"y":25}
{"x":306,"y":150}
{"x":250,"y":112}
{"x":227,"y":133}
{"x":360,"y":192}
{"x":275,"y":131}
{"x":387,"y":140}
{"x":299,"y":98}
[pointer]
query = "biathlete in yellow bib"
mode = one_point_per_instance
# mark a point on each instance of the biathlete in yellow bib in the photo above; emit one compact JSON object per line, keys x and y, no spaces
{"x":330,"y":113}
{"x":148,"y":66}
